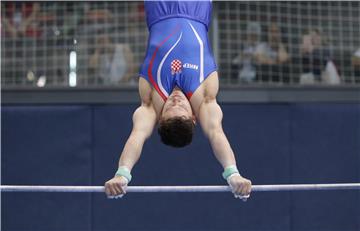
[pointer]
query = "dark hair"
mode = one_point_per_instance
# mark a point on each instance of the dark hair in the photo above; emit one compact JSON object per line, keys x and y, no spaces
{"x":176,"y":131}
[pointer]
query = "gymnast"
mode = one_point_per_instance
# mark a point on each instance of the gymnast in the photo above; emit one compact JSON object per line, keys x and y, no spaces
{"x":178,"y":85}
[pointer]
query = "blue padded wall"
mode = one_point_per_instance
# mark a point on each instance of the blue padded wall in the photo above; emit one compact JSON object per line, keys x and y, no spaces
{"x":273,"y":143}
{"x":46,"y":146}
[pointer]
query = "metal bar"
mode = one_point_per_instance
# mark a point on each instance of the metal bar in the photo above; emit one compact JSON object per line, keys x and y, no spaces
{"x":147,"y":189}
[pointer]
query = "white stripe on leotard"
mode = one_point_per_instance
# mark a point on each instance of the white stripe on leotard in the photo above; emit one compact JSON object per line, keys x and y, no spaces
{"x":160,"y":67}
{"x":201,"y":53}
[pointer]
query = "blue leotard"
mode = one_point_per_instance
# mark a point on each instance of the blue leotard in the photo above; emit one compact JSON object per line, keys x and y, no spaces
{"x":178,"y":52}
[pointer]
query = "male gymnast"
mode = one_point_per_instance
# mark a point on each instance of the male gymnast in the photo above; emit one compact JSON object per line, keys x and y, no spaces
{"x":178,"y":85}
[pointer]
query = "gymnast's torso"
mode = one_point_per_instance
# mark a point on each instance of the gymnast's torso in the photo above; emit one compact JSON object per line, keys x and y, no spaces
{"x":178,"y":53}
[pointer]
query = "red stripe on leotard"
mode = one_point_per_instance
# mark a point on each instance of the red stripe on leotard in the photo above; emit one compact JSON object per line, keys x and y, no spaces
{"x":151,"y":78}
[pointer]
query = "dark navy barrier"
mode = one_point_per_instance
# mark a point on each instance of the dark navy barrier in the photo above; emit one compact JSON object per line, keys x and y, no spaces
{"x":274,"y":144}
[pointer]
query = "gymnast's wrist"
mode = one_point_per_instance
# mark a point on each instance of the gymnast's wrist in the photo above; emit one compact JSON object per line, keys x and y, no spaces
{"x":229,"y":171}
{"x":124,"y":172}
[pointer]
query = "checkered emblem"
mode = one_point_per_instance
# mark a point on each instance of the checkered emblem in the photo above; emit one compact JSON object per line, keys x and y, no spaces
{"x":176,"y":66}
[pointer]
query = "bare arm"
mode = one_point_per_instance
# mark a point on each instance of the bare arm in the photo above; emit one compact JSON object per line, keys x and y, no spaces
{"x":212,"y":128}
{"x":283,"y":56}
{"x":33,"y":17}
{"x":144,"y":119}
{"x":9,"y":27}
{"x":210,"y":116}
{"x":129,"y":57}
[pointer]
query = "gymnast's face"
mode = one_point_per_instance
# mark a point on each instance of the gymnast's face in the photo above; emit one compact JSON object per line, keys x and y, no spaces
{"x":177,"y":105}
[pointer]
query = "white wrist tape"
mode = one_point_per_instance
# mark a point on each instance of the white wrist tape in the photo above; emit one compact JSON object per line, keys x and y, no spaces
{"x":124,"y":172}
{"x":229,"y":170}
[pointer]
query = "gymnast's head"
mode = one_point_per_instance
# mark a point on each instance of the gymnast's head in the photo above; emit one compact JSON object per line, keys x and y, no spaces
{"x":177,"y":122}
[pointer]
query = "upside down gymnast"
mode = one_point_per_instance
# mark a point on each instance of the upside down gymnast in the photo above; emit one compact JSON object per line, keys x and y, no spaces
{"x":178,"y":85}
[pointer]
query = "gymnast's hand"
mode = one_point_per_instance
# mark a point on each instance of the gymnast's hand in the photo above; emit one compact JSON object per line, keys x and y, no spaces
{"x":116,"y":187}
{"x":240,"y":186}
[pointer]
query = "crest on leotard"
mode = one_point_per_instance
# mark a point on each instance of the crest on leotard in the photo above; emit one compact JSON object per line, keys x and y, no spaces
{"x":176,"y":66}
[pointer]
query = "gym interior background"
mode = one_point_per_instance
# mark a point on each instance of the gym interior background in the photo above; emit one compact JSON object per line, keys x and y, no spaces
{"x":289,"y":76}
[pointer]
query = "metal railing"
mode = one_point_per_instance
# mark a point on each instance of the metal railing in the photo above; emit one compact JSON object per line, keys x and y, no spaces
{"x":97,"y":44}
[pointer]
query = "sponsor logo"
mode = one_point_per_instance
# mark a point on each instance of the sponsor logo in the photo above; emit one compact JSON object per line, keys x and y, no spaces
{"x":191,"y":66}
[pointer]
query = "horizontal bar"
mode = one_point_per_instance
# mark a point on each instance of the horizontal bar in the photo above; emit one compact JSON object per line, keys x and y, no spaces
{"x":146,"y":189}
